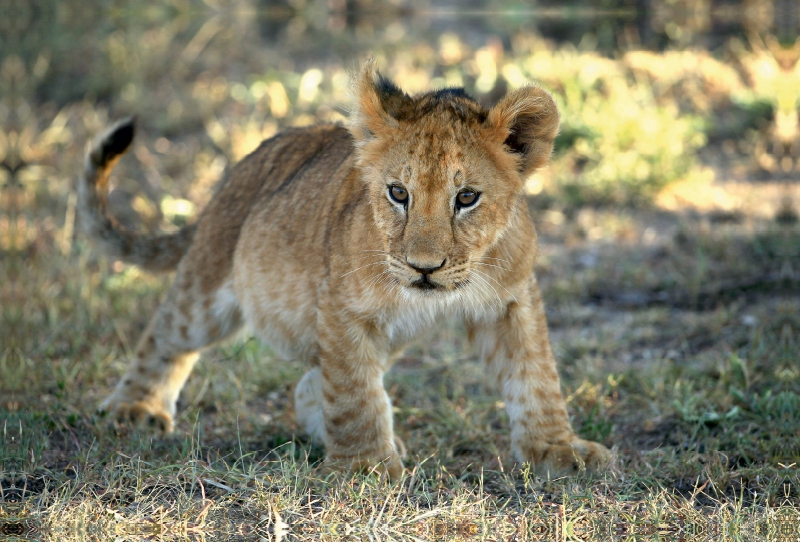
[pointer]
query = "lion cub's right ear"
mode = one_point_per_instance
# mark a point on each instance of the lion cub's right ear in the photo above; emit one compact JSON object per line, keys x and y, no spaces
{"x":377,"y":102}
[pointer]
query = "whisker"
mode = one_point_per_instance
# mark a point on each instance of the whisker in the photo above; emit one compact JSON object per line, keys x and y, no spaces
{"x":464,"y":295}
{"x":487,"y":290}
{"x":374,"y":280}
{"x":364,"y":257}
{"x":496,"y":259}
{"x":500,"y":285}
{"x":377,"y":279}
{"x":362,"y":267}
{"x":396,"y":288}
{"x":491,"y":265}
{"x":392,"y":282}
{"x":487,"y":298}
{"x":497,"y":295}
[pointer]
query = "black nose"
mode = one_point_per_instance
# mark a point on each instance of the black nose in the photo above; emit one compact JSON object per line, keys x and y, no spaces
{"x":425,"y":269}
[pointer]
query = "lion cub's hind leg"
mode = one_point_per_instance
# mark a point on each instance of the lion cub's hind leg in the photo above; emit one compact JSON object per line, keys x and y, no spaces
{"x":308,"y":405}
{"x":187,"y":321}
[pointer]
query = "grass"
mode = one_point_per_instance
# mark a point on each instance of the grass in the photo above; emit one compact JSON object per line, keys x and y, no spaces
{"x":700,"y":405}
{"x":674,"y":316}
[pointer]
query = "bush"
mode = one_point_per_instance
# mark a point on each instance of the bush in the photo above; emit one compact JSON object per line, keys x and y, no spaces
{"x":618,"y":143}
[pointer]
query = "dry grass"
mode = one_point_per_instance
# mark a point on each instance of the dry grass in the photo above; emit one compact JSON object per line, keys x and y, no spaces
{"x":675,"y":321}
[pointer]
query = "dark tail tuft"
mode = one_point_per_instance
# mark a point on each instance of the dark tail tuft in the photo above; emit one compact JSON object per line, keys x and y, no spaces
{"x":114,"y":142}
{"x":160,"y":252}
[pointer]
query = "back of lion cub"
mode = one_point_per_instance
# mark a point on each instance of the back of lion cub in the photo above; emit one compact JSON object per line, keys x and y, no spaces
{"x":339,"y":245}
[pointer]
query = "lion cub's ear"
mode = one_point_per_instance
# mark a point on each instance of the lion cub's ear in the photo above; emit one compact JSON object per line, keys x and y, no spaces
{"x":377,"y":104}
{"x":526,"y":122}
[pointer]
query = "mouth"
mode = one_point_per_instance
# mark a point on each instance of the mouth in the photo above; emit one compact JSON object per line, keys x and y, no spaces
{"x":424,"y":283}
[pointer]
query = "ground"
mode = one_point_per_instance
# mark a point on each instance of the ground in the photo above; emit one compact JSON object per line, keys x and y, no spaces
{"x":668,"y":264}
{"x":688,"y":372}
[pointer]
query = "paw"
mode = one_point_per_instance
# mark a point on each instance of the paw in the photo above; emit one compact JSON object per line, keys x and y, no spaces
{"x":389,"y":462}
{"x":556,"y":460}
{"x":308,"y":405}
{"x":400,"y":446}
{"x":139,"y":414}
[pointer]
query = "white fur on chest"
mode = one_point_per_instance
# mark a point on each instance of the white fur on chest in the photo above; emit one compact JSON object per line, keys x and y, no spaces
{"x":416,"y":314}
{"x":410,"y":314}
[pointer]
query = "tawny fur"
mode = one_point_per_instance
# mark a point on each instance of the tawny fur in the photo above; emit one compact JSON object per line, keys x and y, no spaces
{"x":304,"y":244}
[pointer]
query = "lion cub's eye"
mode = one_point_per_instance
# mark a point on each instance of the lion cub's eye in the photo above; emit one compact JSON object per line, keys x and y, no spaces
{"x":398,"y":194}
{"x":466,"y":198}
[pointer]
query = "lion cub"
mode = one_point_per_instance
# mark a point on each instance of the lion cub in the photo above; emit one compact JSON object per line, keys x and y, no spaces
{"x":340,"y":245}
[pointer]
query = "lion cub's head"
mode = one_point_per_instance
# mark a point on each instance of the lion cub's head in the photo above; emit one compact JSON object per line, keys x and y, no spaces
{"x":445,"y":176}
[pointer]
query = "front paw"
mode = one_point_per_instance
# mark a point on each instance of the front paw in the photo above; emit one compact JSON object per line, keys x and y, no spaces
{"x":389,"y":462}
{"x":141,"y":413}
{"x":556,"y":460}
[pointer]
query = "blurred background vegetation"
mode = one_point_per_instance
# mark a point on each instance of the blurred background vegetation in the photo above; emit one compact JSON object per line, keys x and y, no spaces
{"x":668,"y":219}
{"x":653,"y":93}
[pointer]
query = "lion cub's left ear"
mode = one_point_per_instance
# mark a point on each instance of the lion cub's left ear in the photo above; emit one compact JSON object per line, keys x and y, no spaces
{"x":526,"y":122}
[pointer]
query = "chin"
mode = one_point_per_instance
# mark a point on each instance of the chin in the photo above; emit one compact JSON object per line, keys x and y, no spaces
{"x":437,"y":290}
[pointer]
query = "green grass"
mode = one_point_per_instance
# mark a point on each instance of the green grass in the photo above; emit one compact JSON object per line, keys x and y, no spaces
{"x":700,"y":407}
{"x":677,"y":332}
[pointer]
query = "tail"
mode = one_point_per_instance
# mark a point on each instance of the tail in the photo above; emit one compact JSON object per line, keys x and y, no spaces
{"x":159,"y":252}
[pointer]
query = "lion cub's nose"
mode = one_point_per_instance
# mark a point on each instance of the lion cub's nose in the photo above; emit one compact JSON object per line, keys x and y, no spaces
{"x":425,"y":267}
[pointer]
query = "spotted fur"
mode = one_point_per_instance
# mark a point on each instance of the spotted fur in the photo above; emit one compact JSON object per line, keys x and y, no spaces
{"x":305,"y":244}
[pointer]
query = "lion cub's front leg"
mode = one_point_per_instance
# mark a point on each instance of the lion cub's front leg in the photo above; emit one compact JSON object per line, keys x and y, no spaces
{"x":357,"y":412}
{"x":517,"y":350}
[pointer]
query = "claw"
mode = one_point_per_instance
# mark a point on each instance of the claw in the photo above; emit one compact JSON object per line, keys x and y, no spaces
{"x":557,"y":460}
{"x":140,"y":413}
{"x":391,"y":466}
